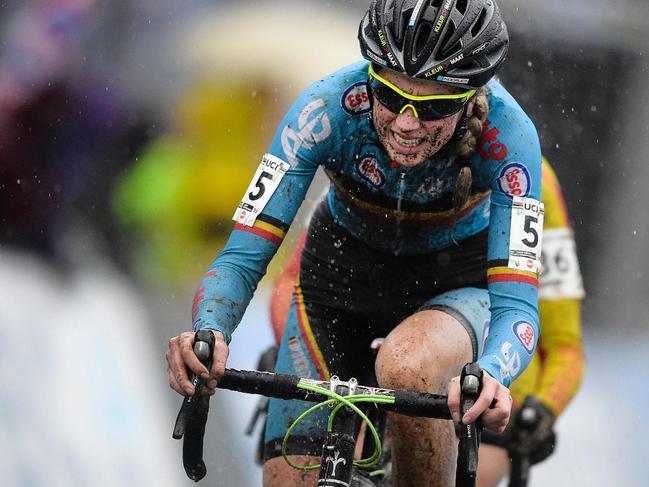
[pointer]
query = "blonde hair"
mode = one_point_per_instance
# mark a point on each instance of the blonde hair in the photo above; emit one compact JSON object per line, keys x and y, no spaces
{"x":466,"y":148}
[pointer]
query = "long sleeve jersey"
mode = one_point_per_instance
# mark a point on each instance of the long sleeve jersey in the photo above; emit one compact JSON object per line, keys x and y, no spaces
{"x":394,"y":209}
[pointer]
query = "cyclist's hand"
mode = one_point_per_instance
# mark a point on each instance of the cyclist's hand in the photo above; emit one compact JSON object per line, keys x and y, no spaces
{"x":494,"y":404}
{"x":181,"y":358}
{"x":530,"y":430}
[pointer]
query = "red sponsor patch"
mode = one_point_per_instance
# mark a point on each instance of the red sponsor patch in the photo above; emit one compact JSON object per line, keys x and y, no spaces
{"x":355,"y":99}
{"x":368,"y":168}
{"x":525,"y":333}
{"x":514,"y":180}
{"x":488,"y":145}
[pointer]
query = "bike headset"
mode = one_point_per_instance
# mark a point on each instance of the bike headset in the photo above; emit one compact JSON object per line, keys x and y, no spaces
{"x":460,"y":43}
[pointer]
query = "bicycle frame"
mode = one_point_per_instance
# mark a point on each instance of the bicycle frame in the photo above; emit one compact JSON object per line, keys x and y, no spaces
{"x":338,"y":449}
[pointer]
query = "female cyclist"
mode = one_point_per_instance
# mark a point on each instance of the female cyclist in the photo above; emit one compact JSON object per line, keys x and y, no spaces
{"x":430,"y":233}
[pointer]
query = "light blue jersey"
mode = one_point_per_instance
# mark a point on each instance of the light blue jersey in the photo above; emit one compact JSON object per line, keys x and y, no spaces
{"x":393,"y":209}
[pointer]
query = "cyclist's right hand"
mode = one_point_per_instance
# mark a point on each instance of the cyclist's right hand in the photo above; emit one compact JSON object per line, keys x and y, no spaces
{"x":181,"y":359}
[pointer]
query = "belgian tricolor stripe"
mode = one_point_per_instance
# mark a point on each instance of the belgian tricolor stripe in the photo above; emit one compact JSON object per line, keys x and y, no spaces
{"x":266,"y":227}
{"x":499,"y":272}
{"x":307,"y":334}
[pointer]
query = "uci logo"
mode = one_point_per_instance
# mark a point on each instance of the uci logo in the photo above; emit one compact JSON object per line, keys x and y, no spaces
{"x":531,"y":206}
{"x":355,"y":100}
{"x":514,"y":180}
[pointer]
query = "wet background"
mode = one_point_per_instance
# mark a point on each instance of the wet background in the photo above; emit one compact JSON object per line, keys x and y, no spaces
{"x":128,"y":132}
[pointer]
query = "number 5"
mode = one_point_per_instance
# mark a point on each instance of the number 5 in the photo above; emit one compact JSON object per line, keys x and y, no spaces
{"x":527,"y":227}
{"x":260,"y":186}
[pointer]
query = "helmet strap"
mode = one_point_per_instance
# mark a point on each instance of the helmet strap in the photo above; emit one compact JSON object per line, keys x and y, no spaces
{"x":462,"y":126}
{"x":370,"y":115}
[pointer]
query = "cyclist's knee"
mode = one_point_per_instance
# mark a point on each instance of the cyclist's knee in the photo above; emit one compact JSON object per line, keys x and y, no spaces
{"x":278,"y":473}
{"x":423,"y":352}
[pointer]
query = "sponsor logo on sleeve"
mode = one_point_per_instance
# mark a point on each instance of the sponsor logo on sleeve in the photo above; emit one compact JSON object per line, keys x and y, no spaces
{"x":488,"y":146}
{"x":525,"y":333}
{"x":355,"y":100}
{"x":368,"y":168}
{"x":313,"y":126}
{"x":515,"y":180}
{"x":510,"y":363}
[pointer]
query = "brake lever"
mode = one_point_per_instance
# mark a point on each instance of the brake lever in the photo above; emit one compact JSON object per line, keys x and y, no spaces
{"x":467,"y":463}
{"x":191,"y":419}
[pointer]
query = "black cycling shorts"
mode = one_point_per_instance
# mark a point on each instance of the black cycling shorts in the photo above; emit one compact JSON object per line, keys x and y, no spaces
{"x":347,"y":295}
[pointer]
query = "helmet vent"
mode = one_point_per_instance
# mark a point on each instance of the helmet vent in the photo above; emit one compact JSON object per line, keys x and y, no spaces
{"x":401,"y":23}
{"x":461,"y":6}
{"x":479,"y":24}
{"x":436,"y":3}
{"x":446,"y":49}
{"x":472,"y":66}
{"x":421,"y":37}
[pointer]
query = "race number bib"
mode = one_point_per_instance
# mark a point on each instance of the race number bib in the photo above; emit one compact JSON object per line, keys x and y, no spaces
{"x":560,"y":275}
{"x":525,"y":234}
{"x":266,"y":180}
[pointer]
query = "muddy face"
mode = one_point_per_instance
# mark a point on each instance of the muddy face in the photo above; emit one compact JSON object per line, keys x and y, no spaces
{"x":407,"y":139}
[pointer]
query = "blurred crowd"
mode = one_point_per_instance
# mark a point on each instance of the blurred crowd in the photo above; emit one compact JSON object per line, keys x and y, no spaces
{"x":116,"y":190}
{"x":152,"y":181}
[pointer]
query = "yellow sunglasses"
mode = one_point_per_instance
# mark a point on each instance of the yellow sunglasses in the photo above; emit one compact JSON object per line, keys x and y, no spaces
{"x":430,"y":107}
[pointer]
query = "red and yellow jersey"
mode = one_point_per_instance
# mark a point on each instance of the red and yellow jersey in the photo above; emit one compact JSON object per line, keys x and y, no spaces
{"x":557,"y":368}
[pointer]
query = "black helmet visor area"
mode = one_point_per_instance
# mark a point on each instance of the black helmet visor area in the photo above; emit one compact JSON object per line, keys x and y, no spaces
{"x":455,"y":42}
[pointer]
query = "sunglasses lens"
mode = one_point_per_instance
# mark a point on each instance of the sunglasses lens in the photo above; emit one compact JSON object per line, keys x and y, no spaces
{"x":427,"y":110}
{"x":434,"y":109}
{"x":389,"y":98}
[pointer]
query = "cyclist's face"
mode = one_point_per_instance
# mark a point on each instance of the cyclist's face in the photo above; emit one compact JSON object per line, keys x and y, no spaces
{"x":407,"y":139}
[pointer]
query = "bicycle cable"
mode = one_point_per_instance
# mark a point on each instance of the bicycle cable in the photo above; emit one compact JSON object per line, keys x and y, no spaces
{"x":340,"y":401}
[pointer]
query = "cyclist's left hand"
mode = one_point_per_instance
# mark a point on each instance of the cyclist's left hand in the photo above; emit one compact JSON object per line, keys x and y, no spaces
{"x":494,"y":404}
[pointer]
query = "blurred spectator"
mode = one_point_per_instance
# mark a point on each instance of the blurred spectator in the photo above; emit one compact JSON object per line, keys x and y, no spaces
{"x":180,"y":195}
{"x":92,"y":415}
{"x":63,"y":134}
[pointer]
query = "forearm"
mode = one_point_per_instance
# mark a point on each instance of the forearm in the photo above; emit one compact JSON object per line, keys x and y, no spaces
{"x":227,"y":288}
